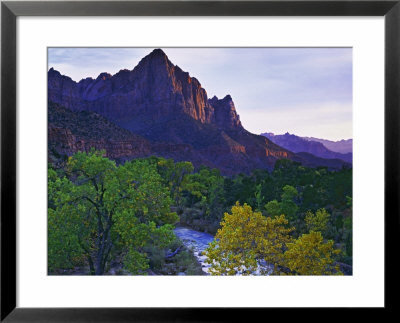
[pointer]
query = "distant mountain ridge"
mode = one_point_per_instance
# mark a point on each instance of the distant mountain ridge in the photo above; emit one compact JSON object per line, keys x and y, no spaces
{"x":343,"y":146}
{"x":299,"y":145}
{"x":165,"y":106}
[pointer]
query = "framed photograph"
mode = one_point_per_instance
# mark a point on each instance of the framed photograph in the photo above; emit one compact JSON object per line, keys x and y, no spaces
{"x":163,"y":157}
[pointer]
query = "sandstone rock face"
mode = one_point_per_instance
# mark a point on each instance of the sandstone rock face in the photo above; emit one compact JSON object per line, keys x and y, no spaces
{"x":154,"y":90}
{"x":64,"y":142}
{"x":154,"y":109}
{"x":225,"y":115}
{"x":69,"y":132}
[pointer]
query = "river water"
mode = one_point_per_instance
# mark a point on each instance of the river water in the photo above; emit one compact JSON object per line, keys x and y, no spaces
{"x":196,"y":241}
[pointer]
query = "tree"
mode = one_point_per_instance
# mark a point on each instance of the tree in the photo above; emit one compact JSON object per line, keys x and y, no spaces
{"x":259,"y":197}
{"x":318,"y":221}
{"x":287,"y":206}
{"x":310,"y":255}
{"x":273,"y":208}
{"x":245,"y":239}
{"x":206,"y":187}
{"x":99,"y":209}
{"x":175,"y":176}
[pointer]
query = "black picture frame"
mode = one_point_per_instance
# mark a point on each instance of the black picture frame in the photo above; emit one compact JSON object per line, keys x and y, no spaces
{"x":10,"y":10}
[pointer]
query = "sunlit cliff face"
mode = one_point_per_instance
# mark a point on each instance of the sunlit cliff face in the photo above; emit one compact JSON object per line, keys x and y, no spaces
{"x":155,"y":86}
{"x":164,"y":106}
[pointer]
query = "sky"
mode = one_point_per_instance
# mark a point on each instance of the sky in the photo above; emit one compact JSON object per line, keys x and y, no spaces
{"x":303,"y":91}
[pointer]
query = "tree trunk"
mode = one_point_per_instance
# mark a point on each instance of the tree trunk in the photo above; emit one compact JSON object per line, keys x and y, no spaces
{"x":103,"y":251}
{"x":91,"y":266}
{"x":99,"y":266}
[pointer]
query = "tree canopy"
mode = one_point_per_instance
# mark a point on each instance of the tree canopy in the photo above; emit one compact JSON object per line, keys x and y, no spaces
{"x":310,"y":255}
{"x":292,"y":220}
{"x":249,"y":242}
{"x":97,"y":209}
{"x":245,"y":239}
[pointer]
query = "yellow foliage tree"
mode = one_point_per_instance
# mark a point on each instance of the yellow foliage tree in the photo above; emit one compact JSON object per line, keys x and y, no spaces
{"x":245,"y":238}
{"x":310,"y":255}
{"x":317,"y":221}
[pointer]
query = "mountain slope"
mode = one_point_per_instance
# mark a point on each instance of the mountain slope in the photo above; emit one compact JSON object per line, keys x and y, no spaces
{"x":70,"y":131}
{"x":311,"y":160}
{"x":163,"y":104}
{"x":298,"y":144}
{"x":342,"y":146}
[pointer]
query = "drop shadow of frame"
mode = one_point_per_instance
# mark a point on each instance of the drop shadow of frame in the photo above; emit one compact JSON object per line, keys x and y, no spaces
{"x":10,"y":10}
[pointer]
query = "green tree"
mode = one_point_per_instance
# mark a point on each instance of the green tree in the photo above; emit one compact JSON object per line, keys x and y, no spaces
{"x":287,"y":206}
{"x":206,"y":187}
{"x":259,"y":197}
{"x":273,"y":208}
{"x":175,"y":176}
{"x":99,"y":209}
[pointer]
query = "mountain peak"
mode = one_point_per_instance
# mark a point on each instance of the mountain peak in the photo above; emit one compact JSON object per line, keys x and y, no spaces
{"x":156,"y":58}
{"x":164,"y":104}
{"x":155,"y":87}
{"x":157,"y":52}
{"x":104,"y":76}
{"x":53,"y":71}
{"x":54,"y":74}
{"x":225,"y":112}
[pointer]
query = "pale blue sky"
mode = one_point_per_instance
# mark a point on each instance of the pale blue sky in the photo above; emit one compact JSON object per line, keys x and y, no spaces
{"x":305,"y":91}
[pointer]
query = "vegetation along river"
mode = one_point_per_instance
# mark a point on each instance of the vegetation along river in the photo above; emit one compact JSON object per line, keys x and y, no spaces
{"x":198,"y":242}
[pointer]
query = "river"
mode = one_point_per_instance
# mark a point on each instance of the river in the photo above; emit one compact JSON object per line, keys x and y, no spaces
{"x":197,"y":241}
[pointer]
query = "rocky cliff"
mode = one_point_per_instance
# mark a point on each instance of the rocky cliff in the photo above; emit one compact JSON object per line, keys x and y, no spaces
{"x":155,"y":90}
{"x":158,"y":109}
{"x":69,"y":132}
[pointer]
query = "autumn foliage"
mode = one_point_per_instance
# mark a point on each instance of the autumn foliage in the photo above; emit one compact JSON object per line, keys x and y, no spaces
{"x":250,"y":243}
